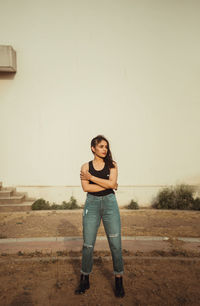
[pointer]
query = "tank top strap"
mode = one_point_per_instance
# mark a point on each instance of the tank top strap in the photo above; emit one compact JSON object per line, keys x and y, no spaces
{"x":90,"y":166}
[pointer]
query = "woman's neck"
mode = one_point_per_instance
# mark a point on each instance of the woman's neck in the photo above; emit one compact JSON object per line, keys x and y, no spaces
{"x":98,"y":160}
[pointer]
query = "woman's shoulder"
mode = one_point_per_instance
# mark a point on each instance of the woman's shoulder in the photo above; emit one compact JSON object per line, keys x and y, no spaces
{"x":115,"y":163}
{"x":85,"y":166}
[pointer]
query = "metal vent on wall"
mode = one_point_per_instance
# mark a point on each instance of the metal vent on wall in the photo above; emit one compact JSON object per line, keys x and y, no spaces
{"x":7,"y":59}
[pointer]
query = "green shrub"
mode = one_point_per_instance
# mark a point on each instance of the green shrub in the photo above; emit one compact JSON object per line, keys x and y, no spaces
{"x":184,"y":196}
{"x":196,"y":204}
{"x":40,"y":204}
{"x":164,"y":199}
{"x":55,"y":206}
{"x":72,"y":204}
{"x":175,"y":197}
{"x":133,"y":205}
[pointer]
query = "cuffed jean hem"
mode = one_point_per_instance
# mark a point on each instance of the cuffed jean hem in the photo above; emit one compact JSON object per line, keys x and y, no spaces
{"x":84,"y":273}
{"x":114,"y":272}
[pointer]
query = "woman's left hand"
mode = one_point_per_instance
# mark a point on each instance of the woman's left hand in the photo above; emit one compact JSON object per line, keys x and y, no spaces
{"x":85,"y":175}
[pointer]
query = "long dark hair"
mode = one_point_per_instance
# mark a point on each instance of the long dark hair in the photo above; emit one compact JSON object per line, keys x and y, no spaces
{"x":108,"y":159}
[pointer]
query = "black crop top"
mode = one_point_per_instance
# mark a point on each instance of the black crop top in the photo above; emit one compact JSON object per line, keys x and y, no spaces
{"x":104,"y":174}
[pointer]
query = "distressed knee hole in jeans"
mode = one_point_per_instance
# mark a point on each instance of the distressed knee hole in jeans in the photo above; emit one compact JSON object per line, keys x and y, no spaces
{"x":113,"y":235}
{"x":88,"y":245}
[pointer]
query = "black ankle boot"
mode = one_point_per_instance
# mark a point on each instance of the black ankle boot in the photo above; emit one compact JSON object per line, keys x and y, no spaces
{"x":84,"y":284}
{"x":119,"y":289}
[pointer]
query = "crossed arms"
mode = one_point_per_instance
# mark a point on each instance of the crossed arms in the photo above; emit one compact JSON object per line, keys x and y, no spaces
{"x":100,"y":184}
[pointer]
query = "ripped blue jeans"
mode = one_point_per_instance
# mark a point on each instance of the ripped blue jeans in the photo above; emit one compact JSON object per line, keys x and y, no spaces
{"x":95,"y":208}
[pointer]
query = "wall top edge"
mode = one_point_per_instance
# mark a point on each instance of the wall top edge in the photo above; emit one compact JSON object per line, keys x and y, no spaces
{"x":53,"y":186}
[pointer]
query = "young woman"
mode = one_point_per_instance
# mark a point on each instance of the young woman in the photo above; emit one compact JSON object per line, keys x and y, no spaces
{"x":98,"y":179}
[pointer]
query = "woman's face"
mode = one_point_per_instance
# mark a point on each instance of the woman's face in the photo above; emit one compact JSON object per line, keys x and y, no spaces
{"x":101,"y":149}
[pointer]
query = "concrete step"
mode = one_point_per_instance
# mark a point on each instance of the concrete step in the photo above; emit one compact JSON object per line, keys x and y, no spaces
{"x":25,"y":206}
{"x":5,"y":209}
{"x":7,"y":192}
{"x":11,"y":200}
{"x":27,"y":198}
{"x":15,"y":199}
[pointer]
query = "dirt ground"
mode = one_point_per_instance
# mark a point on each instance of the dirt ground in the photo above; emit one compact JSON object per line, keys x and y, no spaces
{"x":154,"y":278}
{"x":52,"y":282}
{"x":69,"y":223}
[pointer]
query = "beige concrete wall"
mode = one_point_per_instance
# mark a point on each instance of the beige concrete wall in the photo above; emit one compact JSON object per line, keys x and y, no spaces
{"x":126,"y":69}
{"x":142,"y":194}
